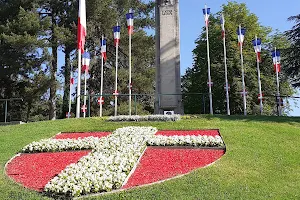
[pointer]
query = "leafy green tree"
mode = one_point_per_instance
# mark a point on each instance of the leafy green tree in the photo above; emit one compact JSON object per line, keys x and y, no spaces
{"x":292,"y":54}
{"x":195,"y":78}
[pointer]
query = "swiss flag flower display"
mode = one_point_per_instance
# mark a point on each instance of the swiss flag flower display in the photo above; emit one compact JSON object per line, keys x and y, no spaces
{"x":103,"y":161}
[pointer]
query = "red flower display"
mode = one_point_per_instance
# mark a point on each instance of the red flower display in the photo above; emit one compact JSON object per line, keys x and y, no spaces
{"x":212,"y":132}
{"x":34,"y":171}
{"x":160,"y":163}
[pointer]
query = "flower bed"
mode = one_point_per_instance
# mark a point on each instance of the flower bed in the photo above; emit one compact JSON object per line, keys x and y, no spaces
{"x":113,"y":157}
{"x":138,"y":118}
{"x":81,"y":135}
{"x":162,"y":163}
{"x":35,"y":170}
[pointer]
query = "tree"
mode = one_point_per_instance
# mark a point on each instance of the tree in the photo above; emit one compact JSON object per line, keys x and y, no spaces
{"x":292,"y":54}
{"x":195,"y":78}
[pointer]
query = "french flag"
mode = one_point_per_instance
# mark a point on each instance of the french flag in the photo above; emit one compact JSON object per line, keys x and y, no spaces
{"x":117,"y":30}
{"x":86,"y":61}
{"x":103,"y":49}
{"x":276,"y":60}
{"x":81,"y":34}
{"x":257,"y":48}
{"x":206,"y":13}
{"x":129,"y":17}
{"x":241,"y":35}
{"x":223,"y":26}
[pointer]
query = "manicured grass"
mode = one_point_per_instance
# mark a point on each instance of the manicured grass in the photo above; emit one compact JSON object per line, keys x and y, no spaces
{"x":262,"y":159}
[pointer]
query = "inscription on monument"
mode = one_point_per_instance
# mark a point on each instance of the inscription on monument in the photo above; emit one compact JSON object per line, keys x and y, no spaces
{"x":167,"y":12}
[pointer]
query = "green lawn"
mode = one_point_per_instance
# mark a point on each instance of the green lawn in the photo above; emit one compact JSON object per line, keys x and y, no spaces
{"x":262,"y":159}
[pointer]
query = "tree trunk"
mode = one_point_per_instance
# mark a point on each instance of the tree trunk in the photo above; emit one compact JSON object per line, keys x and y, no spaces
{"x":53,"y":70}
{"x":67,"y":81}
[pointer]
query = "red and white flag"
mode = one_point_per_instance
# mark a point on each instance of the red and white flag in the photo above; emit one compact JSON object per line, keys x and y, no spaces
{"x":81,"y":34}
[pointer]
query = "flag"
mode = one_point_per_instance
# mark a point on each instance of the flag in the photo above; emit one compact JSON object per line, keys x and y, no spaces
{"x":257,"y":48}
{"x":206,"y":12}
{"x":103,"y":49}
{"x":72,"y":81}
{"x":117,"y":30}
{"x":86,"y":61}
{"x":223,"y":26}
{"x":81,"y":34}
{"x":241,"y":35}
{"x":276,"y":60}
{"x":129,"y":17}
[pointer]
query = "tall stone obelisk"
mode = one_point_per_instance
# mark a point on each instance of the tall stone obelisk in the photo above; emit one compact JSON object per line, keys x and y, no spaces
{"x":168,"y":83}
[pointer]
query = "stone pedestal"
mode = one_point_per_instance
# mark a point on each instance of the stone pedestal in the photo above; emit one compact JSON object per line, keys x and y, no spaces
{"x":168,"y":83}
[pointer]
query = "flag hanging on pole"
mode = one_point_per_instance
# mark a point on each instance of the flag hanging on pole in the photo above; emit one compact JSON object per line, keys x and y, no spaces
{"x":241,"y":35}
{"x":223,"y":26}
{"x":86,"y":61}
{"x":257,"y":48}
{"x":276,"y":60}
{"x":206,"y":13}
{"x":129,"y":17}
{"x":117,"y":30}
{"x":103,"y":49}
{"x":81,"y":34}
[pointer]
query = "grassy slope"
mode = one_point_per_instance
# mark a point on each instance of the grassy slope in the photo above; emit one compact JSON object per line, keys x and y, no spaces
{"x":262,"y":159}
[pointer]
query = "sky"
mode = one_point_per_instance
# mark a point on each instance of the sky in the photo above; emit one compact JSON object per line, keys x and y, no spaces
{"x":272,"y":13}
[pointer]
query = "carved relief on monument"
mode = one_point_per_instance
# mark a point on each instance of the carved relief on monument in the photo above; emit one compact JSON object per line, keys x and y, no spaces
{"x":165,"y":2}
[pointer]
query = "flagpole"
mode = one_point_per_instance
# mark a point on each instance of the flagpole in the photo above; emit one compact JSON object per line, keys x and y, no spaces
{"x":70,"y":94}
{"x":277,"y":80}
{"x":225,"y":63}
{"x":101,"y":87}
{"x":208,"y":65}
{"x":78,"y":85}
{"x":116,"y":81}
{"x":85,"y":93}
{"x":259,"y":81}
{"x":243,"y":74}
{"x":129,"y":86}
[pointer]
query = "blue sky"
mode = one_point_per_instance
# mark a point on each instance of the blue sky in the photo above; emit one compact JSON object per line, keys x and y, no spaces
{"x":272,"y":13}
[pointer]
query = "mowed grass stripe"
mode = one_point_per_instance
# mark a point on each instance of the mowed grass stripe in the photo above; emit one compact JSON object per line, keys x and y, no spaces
{"x":262,"y":158}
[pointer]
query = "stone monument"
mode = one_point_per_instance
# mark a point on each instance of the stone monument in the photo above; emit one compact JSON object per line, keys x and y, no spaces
{"x":168,"y":83}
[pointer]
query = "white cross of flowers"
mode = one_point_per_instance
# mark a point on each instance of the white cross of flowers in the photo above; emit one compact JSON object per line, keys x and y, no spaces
{"x":112,"y":158}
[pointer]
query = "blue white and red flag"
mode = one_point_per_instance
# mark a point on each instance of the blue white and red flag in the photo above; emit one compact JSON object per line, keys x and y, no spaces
{"x":206,"y":13}
{"x":103,"y":49}
{"x":86,"y":61}
{"x":117,"y":30}
{"x":241,"y":35}
{"x":81,"y":31}
{"x":129,"y":17}
{"x":276,"y":60}
{"x":257,"y":48}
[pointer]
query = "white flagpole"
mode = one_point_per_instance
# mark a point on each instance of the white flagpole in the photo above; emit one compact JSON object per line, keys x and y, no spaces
{"x":85,"y":77}
{"x":243,"y":74}
{"x":208,"y":64}
{"x":129,"y":86}
{"x":225,"y":63}
{"x":70,"y":93}
{"x":101,"y":87}
{"x":277,"y":80}
{"x":259,"y":81}
{"x":78,"y":85}
{"x":116,"y":81}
